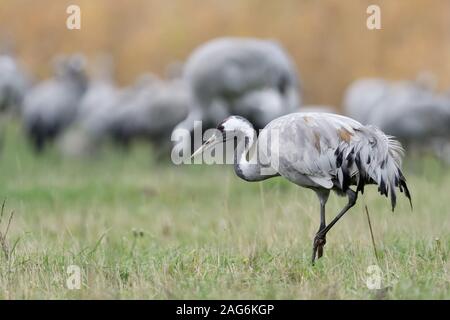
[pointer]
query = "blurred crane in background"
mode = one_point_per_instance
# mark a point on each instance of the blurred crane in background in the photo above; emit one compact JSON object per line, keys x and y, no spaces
{"x":410,"y":111}
{"x":14,"y":84}
{"x":245,"y":76}
{"x":151,"y":113}
{"x":94,"y":110}
{"x":51,"y":106}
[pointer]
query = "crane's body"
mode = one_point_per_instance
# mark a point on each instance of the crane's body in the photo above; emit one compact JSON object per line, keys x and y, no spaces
{"x":319,"y":151}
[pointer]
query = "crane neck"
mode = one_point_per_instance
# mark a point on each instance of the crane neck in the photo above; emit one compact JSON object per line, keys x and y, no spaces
{"x":246,"y":163}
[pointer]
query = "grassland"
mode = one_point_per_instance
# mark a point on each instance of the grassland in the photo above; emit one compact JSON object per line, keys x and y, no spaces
{"x":139,"y":229}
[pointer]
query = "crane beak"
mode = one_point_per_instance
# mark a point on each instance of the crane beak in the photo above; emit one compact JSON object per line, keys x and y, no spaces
{"x":208,"y":144}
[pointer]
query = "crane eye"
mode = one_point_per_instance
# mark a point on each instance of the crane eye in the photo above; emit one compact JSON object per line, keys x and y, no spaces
{"x":224,"y":136}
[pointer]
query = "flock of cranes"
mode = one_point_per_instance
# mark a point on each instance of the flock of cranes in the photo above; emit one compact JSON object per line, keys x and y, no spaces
{"x":252,"y":84}
{"x":249,"y":77}
{"x":13,"y":83}
{"x":252,"y":78}
{"x":410,"y":111}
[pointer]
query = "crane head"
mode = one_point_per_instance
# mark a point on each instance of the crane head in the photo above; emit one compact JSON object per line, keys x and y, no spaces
{"x":231,"y":127}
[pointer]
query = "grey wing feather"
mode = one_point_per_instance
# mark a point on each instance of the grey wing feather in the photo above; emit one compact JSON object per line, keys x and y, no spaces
{"x":330,"y":149}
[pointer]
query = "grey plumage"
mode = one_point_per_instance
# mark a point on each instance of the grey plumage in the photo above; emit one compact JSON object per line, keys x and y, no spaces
{"x":96,"y":110}
{"x":96,"y":107}
{"x":149,"y":112}
{"x":365,"y":99}
{"x":223,"y":71}
{"x":407,"y":110}
{"x":363,"y":96}
{"x":14,"y":84}
{"x":417,"y":122}
{"x":259,"y":106}
{"x":51,"y":106}
{"x":335,"y":152}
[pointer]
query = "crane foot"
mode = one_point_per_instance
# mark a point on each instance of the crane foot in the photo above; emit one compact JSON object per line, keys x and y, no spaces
{"x":319,"y":243}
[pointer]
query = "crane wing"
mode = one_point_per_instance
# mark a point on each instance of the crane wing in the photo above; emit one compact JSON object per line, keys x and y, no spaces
{"x":332,"y":150}
{"x":305,"y":143}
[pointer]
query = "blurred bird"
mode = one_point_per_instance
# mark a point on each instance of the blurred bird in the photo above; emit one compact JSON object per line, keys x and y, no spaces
{"x":259,"y":106}
{"x":14,"y":83}
{"x":104,"y":113}
{"x":319,"y":151}
{"x":410,"y":111}
{"x":422,"y":125}
{"x":363,"y":96}
{"x":96,"y":109}
{"x":51,"y":106}
{"x":227,"y":75}
{"x":369,"y":98}
{"x":150,"y":111}
{"x":96,"y":106}
{"x":101,"y":88}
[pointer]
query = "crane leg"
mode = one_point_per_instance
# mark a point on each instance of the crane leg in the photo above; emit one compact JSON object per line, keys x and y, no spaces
{"x":320,"y":238}
{"x":318,"y":245}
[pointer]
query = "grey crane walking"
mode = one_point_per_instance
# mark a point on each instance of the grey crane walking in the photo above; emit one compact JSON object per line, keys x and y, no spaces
{"x":319,"y":151}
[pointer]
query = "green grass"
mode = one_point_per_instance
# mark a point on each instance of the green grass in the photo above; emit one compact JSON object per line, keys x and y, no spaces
{"x":139,"y":229}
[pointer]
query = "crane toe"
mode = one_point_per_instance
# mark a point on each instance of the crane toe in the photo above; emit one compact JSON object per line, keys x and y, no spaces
{"x":319,"y":243}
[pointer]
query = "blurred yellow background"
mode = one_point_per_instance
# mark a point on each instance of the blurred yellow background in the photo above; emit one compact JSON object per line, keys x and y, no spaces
{"x":328,"y":38}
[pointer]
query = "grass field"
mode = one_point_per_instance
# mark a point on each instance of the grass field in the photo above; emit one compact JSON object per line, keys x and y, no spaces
{"x":138,"y":229}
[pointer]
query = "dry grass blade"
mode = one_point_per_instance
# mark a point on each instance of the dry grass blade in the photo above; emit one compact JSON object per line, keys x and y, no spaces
{"x":3,"y":235}
{"x":3,"y":210}
{"x":371,"y":235}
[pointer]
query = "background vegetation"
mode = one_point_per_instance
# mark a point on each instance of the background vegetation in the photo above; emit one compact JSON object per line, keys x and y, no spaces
{"x":328,"y":38}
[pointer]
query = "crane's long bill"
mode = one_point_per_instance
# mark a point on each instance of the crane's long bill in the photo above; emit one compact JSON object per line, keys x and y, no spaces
{"x":208,"y":144}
